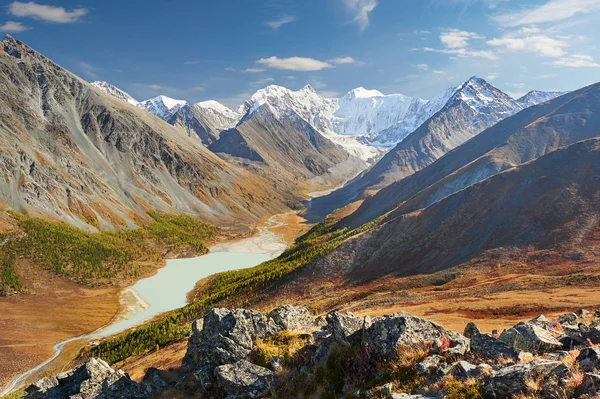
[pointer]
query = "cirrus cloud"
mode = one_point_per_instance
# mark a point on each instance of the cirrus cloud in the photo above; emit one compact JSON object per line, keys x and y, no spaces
{"x":551,"y":11}
{"x":295,"y":63}
{"x":45,"y":12}
{"x":576,"y":61}
{"x":360,"y":9}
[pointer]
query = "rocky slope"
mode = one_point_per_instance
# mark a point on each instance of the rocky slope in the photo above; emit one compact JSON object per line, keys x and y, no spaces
{"x":287,"y":353}
{"x":548,"y":203}
{"x":516,"y":140}
{"x":74,"y":153}
{"x":535,"y":97}
{"x":287,"y":146}
{"x":115,"y":92}
{"x":472,"y":108}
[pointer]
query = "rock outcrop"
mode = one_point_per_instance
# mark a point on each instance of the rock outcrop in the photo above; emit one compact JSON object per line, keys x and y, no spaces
{"x":246,"y":354}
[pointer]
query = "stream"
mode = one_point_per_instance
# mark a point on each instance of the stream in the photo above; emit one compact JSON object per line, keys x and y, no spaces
{"x":168,"y":288}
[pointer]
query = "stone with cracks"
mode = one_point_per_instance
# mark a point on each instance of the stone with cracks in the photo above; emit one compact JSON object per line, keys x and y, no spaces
{"x":529,"y":337}
{"x":471,"y":329}
{"x":244,"y":380}
{"x":589,"y":359}
{"x":292,"y":318}
{"x":384,"y":335}
{"x":510,"y":381}
{"x":345,"y":327}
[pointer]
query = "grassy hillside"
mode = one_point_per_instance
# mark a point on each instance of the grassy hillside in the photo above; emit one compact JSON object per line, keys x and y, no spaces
{"x":239,"y":286}
{"x":97,"y":259}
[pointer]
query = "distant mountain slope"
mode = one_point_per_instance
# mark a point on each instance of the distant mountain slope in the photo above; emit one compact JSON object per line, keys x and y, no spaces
{"x":475,"y":106}
{"x":206,"y":120}
{"x":547,"y":203}
{"x":72,"y":152}
{"x":115,"y":92}
{"x":288,"y":145}
{"x":531,"y":133}
{"x":535,"y":97}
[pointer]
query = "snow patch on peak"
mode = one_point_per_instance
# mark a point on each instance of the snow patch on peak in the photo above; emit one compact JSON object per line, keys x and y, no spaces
{"x":114,"y":91}
{"x":162,"y":106}
{"x":361,"y":92}
{"x":535,"y":97}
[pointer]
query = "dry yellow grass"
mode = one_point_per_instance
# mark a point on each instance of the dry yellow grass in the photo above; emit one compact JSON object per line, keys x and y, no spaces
{"x":55,"y":310}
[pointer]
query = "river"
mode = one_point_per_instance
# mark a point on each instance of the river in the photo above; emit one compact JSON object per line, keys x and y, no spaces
{"x":168,"y":288}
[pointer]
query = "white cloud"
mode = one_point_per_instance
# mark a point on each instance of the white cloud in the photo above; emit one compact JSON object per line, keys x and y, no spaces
{"x":253,"y":70}
{"x":455,"y":38}
{"x":342,"y":60}
{"x":360,"y":10}
{"x":551,"y":11}
{"x":278,"y":23}
{"x":46,"y":13}
{"x":438,"y":72}
{"x":191,"y":62}
{"x":230,"y":69}
{"x":12,"y":26}
{"x":295,"y":63}
{"x":530,"y":41}
{"x":156,"y":87}
{"x":195,"y":89}
{"x":423,"y":67}
{"x":464,"y":53}
{"x":576,"y":61}
{"x":492,"y":76}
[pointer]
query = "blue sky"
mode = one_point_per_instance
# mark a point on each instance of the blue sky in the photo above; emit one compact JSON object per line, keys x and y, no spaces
{"x":227,"y":49}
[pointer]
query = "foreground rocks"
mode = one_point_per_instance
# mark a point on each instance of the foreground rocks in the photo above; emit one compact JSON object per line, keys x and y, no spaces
{"x":287,"y":353}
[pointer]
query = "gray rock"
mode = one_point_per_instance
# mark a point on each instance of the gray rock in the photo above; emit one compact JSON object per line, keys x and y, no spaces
{"x":510,"y":381}
{"x":581,"y":313}
{"x":319,"y":351}
{"x":292,"y":318}
{"x":461,"y":370}
{"x":529,"y":337}
{"x":321,"y":322}
{"x":591,"y":383}
{"x":589,"y":358}
{"x":345,"y":327}
{"x":471,"y":329}
{"x":541,"y":321}
{"x":384,"y":335}
{"x":409,"y":396}
{"x":227,"y":336}
{"x":244,"y":380}
{"x":154,"y":379}
{"x":568,"y":319}
{"x":428,"y":364}
{"x":94,"y":379}
{"x":491,"y":348}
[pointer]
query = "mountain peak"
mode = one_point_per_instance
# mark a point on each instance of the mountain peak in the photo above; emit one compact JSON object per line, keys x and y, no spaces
{"x":361,"y":92}
{"x":309,"y":88}
{"x":114,"y":91}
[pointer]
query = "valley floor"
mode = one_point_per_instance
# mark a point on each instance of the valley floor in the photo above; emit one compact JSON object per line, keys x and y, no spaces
{"x":55,"y":310}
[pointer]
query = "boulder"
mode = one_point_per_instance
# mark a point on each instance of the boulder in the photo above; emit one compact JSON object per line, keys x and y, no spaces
{"x":471,"y":329}
{"x":384,"y":335}
{"x":568,"y":319}
{"x":227,"y":336}
{"x":591,"y":383}
{"x":345,"y":327}
{"x":292,"y":318}
{"x":581,"y":313}
{"x":461,"y":370}
{"x":409,"y":396}
{"x":94,"y":379}
{"x":542,"y":321}
{"x":589,"y":359}
{"x":491,"y":348}
{"x":428,"y":364}
{"x":244,"y":380}
{"x":529,"y":337}
{"x":510,"y":381}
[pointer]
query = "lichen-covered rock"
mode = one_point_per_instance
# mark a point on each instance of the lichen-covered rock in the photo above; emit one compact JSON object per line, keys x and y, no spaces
{"x":510,"y":381}
{"x":589,"y":359}
{"x":244,"y":380}
{"x":345,"y":327}
{"x":471,"y":329}
{"x":227,"y":336}
{"x":461,"y":370}
{"x":529,"y":337}
{"x":292,"y":318}
{"x":93,"y":380}
{"x":409,"y":396}
{"x":384,"y":335}
{"x":428,"y":364}
{"x":590,"y":384}
{"x":491,"y":348}
{"x":568,"y":319}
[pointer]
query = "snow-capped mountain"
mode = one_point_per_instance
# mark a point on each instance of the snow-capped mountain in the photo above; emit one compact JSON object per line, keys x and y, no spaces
{"x":115,"y":92}
{"x":392,"y":135}
{"x":222,"y":116}
{"x":535,"y":97}
{"x":162,"y":106}
{"x":367,"y":112}
{"x":311,"y":107}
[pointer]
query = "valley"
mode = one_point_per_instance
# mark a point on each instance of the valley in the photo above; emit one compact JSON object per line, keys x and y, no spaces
{"x":305,"y":242}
